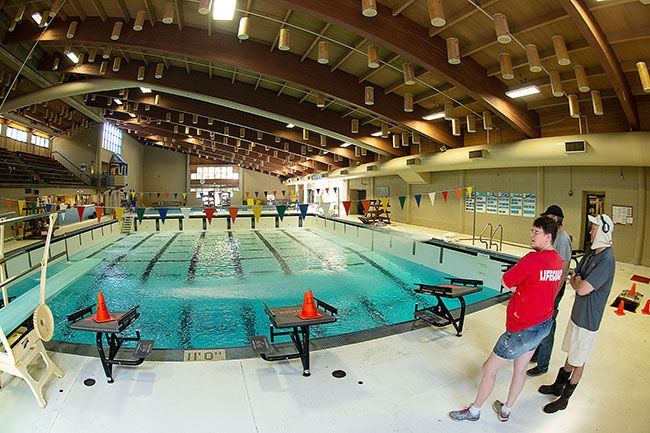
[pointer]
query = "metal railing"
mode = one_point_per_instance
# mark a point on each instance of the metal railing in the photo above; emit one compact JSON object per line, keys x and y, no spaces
{"x":489,"y":243}
{"x":71,"y":167}
{"x":480,"y":237}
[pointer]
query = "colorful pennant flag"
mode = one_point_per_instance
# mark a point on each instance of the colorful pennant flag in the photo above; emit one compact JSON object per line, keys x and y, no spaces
{"x":48,"y":207}
{"x":257,"y":194}
{"x":149,"y":194}
{"x":186,"y":212}
{"x":163,"y":214}
{"x":346,"y":206}
{"x":384,"y":203}
{"x":366,"y":205}
{"x":458,"y":194}
{"x":158,"y":194}
{"x":257,"y":211}
{"x":233,"y":213}
{"x":99,"y":211}
{"x":326,"y":207}
{"x":402,"y":199}
{"x":336,"y":189}
{"x":284,"y":193}
{"x":303,"y":209}
{"x":8,"y":203}
{"x":80,"y":212}
{"x":469,"y":190}
{"x":33,"y":206}
{"x":266,"y":194}
{"x":184,"y":195}
{"x":432,"y":197}
{"x":119,"y":211}
{"x":175,"y":195}
{"x":139,"y":211}
{"x":281,"y":208}
{"x":418,"y":197}
{"x":444,"y":195}
{"x":209,"y":211}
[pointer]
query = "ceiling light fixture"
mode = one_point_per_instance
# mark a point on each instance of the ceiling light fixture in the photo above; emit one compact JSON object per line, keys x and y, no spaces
{"x":145,"y":90}
{"x":72,"y":56}
{"x":290,"y":125}
{"x":523,"y":91}
{"x":117,"y":101}
{"x":376,"y":134}
{"x":37,"y":17}
{"x":223,"y":10}
{"x":434,"y":116}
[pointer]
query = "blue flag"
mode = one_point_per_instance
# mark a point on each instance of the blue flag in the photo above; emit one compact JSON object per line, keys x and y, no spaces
{"x":303,"y":210}
{"x":418,"y":197}
{"x":163,"y":214}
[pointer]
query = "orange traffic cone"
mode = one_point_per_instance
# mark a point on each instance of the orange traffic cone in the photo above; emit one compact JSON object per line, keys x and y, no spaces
{"x":621,"y":308}
{"x":102,"y":314}
{"x":646,"y":309}
{"x":309,"y":310}
{"x":632,"y":291}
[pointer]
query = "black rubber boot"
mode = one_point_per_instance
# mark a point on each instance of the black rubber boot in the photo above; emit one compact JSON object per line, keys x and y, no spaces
{"x":562,"y":402}
{"x":557,"y":387}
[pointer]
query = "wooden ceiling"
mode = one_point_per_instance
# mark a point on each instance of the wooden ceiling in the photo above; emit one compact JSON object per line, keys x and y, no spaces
{"x":235,"y":97}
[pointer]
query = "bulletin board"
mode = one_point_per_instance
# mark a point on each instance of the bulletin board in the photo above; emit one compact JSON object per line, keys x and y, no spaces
{"x":622,"y":215}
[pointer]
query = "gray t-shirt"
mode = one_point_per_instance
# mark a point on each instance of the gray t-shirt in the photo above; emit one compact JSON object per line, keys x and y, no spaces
{"x":598,"y":270}
{"x":562,"y":245}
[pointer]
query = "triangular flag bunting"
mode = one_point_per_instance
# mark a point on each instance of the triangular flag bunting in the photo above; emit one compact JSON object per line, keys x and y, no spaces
{"x":184,"y":195}
{"x":119,"y":211}
{"x":141,"y":195}
{"x":80,"y":211}
{"x":346,"y":206}
{"x":21,"y":206}
{"x":117,"y":194}
{"x":384,"y":203}
{"x":284,"y":193}
{"x":336,"y":189}
{"x":275,"y":193}
{"x":402,"y":199}
{"x":257,"y":194}
{"x":33,"y":206}
{"x":257,"y":211}
{"x":303,"y":209}
{"x":266,"y":194}
{"x":99,"y":211}
{"x":175,"y":195}
{"x":469,"y":190}
{"x":158,"y":194}
{"x":317,"y":190}
{"x":48,"y":207}
{"x":233,"y":213}
{"x":418,"y":197}
{"x":163,"y":214}
{"x":326,"y":207}
{"x":366,"y":205}
{"x":444,"y":195}
{"x":139,"y":211}
{"x":327,"y":190}
{"x":8,"y":203}
{"x":247,"y":193}
{"x":149,"y":194}
{"x":209,"y":211}
{"x":166,"y":195}
{"x":186,"y":212}
{"x":281,"y":208}
{"x":432,"y":197}
{"x":457,"y":193}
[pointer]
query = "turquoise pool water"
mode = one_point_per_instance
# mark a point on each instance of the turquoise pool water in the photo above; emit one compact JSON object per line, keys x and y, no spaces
{"x":205,"y":289}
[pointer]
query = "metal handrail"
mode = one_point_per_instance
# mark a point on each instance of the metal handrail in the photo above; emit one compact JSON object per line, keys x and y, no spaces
{"x":500,"y":245}
{"x":480,"y":237}
{"x":70,"y":166}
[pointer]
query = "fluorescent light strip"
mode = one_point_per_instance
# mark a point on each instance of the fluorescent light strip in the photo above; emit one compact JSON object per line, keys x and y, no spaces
{"x":523,"y":91}
{"x":117,"y":101}
{"x":290,"y":125}
{"x":72,"y":56}
{"x":376,"y":134}
{"x":223,"y":9}
{"x":346,"y":144}
{"x":434,"y":116}
{"x":145,"y":90}
{"x":37,"y":17}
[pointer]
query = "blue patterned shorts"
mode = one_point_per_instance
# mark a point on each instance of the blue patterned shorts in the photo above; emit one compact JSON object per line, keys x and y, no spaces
{"x":512,"y":345}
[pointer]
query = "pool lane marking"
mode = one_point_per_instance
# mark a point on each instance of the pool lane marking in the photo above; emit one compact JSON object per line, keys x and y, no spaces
{"x":278,"y":257}
{"x":184,"y":326}
{"x":373,"y":310}
{"x":119,"y":258}
{"x":152,"y":263}
{"x":191,"y":271}
{"x":236,"y":256}
{"x":375,"y":265}
{"x":322,"y":258}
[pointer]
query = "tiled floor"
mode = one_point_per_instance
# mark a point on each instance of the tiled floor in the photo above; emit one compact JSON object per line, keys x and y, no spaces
{"x":402,"y":383}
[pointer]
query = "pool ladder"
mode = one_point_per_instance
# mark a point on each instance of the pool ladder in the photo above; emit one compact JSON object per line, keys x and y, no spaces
{"x":489,"y":243}
{"x":127,"y":223}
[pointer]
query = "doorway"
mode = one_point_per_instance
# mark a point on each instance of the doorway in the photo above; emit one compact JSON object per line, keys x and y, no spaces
{"x":594,"y":204}
{"x":358,"y":195}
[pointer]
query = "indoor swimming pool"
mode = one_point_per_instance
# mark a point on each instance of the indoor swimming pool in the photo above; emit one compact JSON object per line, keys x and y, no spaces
{"x":199,"y":289}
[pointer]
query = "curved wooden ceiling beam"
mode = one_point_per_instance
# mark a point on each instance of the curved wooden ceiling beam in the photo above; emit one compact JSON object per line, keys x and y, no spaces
{"x":251,"y":56}
{"x":591,"y":31}
{"x":405,"y":37}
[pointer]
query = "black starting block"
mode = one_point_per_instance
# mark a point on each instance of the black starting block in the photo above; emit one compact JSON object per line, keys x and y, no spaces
{"x":82,"y":321}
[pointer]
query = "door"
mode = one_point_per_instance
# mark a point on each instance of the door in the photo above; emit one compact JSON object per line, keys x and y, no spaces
{"x":594,"y":204}
{"x":361,"y":195}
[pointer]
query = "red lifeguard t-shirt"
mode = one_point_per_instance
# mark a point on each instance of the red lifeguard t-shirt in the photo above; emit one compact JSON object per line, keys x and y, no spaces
{"x":537,"y":278}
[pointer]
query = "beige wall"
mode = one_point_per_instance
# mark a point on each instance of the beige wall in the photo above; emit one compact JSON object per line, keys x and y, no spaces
{"x":164,"y":171}
{"x":251,"y":181}
{"x":618,"y":185}
{"x":81,"y":147}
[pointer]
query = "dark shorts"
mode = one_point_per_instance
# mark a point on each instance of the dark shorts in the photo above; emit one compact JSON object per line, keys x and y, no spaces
{"x":512,"y":345}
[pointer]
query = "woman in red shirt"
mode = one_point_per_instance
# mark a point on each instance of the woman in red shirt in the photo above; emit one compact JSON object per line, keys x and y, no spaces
{"x":534,"y":282}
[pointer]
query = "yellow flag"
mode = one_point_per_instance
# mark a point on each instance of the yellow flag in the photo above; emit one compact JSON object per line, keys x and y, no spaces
{"x":184,"y":195}
{"x":257,"y":211}
{"x":469,"y":190}
{"x":384,"y":203}
{"x":119,"y":211}
{"x":21,"y":206}
{"x":250,"y":201}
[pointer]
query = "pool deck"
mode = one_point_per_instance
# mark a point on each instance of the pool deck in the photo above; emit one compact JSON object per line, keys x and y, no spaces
{"x":400,"y":383}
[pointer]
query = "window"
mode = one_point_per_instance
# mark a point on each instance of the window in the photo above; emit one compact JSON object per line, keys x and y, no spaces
{"x":210,"y":173}
{"x":112,"y":138}
{"x":40,"y":141}
{"x":17,"y":134}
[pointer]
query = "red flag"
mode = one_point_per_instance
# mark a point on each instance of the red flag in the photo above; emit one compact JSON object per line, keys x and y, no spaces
{"x":100,"y":211}
{"x":233,"y":213}
{"x":208,"y":213}
{"x":8,"y":203}
{"x":346,"y":205}
{"x":366,"y":205}
{"x":458,"y":194}
{"x":444,"y":195}
{"x":327,"y":190}
{"x":80,"y":211}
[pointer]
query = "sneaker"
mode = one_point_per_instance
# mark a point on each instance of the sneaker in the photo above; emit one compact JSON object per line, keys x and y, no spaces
{"x":497,"y":406}
{"x":463,"y":415}
{"x":536,"y":371}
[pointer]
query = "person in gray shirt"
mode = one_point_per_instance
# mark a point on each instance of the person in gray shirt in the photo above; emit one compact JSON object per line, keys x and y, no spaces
{"x":592,"y":280}
{"x":562,"y":245}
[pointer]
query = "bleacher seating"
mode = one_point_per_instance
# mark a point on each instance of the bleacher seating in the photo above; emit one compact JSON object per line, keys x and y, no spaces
{"x":18,"y":168}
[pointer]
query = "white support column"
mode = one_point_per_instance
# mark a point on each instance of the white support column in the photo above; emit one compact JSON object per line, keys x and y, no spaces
{"x":461,"y":202}
{"x":541,"y":199}
{"x":639,"y":218}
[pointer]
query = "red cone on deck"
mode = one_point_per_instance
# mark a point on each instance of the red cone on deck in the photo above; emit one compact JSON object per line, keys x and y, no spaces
{"x":621,"y":308}
{"x":646,"y":309}
{"x":102,"y":314}
{"x":309,"y":310}
{"x":632,"y":291}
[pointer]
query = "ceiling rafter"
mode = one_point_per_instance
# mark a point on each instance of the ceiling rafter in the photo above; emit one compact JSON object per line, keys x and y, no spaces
{"x":100,"y":9}
{"x":592,"y":32}
{"x":124,"y":10}
{"x":466,"y":12}
{"x":151,"y":13}
{"x":282,"y":24}
{"x":405,"y":37}
{"x":179,"y":14}
{"x":383,"y":65}
{"x":401,"y":7}
{"x":347,"y":55}
{"x":81,"y":13}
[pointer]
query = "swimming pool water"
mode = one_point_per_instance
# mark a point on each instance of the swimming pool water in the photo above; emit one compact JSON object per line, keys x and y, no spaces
{"x":205,"y":289}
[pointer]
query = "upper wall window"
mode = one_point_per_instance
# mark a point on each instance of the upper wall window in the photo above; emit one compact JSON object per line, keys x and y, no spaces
{"x":40,"y":141}
{"x":17,"y":134}
{"x":112,"y":138}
